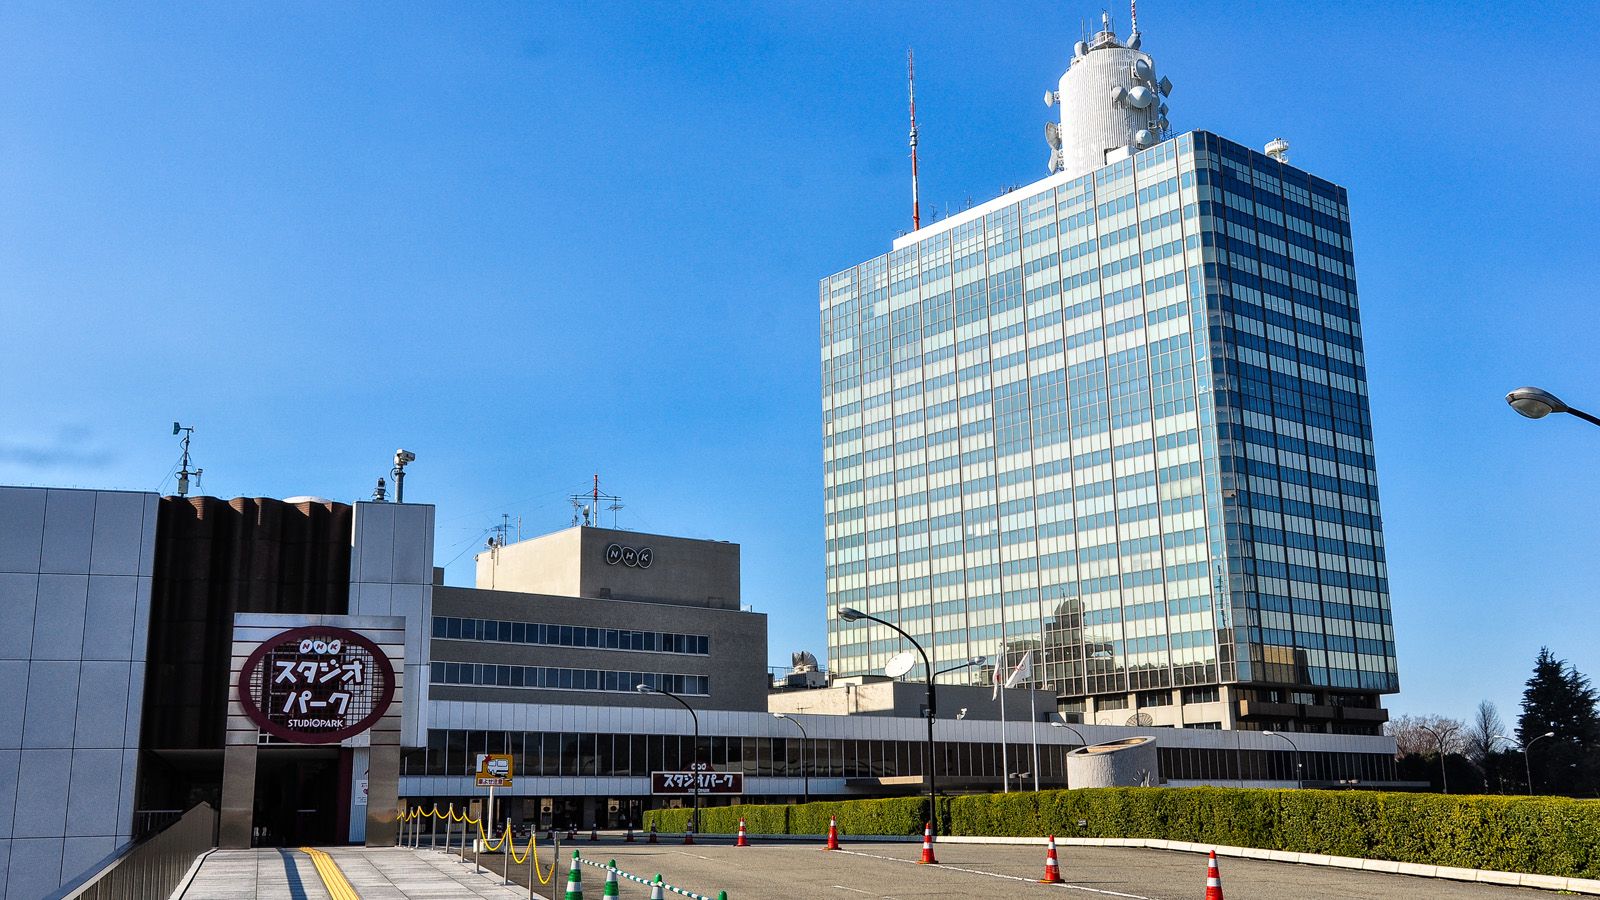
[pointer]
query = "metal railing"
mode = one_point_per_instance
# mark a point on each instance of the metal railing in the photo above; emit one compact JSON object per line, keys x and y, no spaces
{"x":152,"y":869}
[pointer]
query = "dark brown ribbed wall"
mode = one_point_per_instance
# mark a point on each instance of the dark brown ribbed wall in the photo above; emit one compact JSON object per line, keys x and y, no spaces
{"x":215,"y":558}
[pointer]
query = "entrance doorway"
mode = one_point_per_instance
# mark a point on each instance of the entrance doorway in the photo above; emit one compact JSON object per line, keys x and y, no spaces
{"x":297,"y":801}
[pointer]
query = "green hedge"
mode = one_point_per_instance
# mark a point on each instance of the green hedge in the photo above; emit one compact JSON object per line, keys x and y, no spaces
{"x":1543,"y":835}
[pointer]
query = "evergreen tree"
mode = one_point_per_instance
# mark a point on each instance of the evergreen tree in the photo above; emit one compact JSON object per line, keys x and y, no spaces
{"x":1559,"y":698}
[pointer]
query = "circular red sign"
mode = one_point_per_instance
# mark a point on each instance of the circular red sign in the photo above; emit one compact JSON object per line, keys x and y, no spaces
{"x":316,"y":685}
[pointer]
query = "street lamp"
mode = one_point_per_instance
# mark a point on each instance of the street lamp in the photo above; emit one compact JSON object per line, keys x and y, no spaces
{"x":1065,"y":778}
{"x":805,"y":771}
{"x":647,"y":689}
{"x":850,"y":614}
{"x":1536,"y":403}
{"x":972,"y":661}
{"x":1527,"y":764}
{"x":1299,"y":781}
{"x":1439,"y":736}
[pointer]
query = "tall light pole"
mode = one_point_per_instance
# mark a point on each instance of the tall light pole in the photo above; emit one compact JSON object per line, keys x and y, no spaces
{"x":1299,"y":781}
{"x":850,"y":614}
{"x":1536,"y":403}
{"x":805,"y":771}
{"x":647,"y":689}
{"x":1439,"y":737}
{"x":1065,"y":777}
{"x":1527,"y":764}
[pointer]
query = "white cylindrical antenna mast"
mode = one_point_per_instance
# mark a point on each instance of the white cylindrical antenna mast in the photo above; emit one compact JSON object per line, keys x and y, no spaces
{"x":911,"y":87}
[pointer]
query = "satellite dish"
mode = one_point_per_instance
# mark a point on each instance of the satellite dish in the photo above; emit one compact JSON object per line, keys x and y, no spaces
{"x":1080,"y":49}
{"x":899,"y":664}
{"x":1141,"y":97}
{"x":1052,"y":134}
{"x":1141,"y":720}
{"x":1141,"y":69}
{"x":1118,"y":94}
{"x":1054,"y":165}
{"x":1049,"y":98}
{"x":1165,"y":86}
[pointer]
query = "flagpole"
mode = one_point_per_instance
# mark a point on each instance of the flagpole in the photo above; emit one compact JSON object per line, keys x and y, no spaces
{"x":1033,"y":713}
{"x":1000,"y":688}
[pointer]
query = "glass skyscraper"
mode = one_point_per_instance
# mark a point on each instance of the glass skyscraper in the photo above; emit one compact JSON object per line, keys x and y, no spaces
{"x":1117,"y":417}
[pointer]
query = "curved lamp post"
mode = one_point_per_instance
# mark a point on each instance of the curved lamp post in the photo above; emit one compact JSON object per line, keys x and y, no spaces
{"x":1299,"y":781}
{"x":1536,"y":403}
{"x":1439,"y":737}
{"x":1526,"y":764}
{"x":971,"y":661}
{"x":647,"y":689}
{"x":850,"y":614}
{"x":805,"y":771}
{"x":1065,"y":777}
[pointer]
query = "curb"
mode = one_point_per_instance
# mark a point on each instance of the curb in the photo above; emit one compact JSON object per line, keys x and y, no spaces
{"x":1586,"y":886}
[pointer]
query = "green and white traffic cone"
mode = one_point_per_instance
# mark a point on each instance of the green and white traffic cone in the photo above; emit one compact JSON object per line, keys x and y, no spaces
{"x":657,"y":892}
{"x":575,"y":879}
{"x":611,"y":880}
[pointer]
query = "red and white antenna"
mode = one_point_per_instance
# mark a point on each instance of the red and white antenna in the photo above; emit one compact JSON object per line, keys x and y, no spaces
{"x":1133,"y":15}
{"x":911,"y":84}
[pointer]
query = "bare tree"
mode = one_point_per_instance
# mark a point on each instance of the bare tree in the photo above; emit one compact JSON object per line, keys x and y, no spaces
{"x":1419,"y":735}
{"x":1482,"y":733}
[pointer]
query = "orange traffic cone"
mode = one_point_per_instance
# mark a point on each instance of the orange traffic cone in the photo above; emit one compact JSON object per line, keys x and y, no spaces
{"x":1052,"y":867}
{"x":927,"y":845}
{"x":1213,"y":879}
{"x":833,"y":833}
{"x":594,"y":832}
{"x":653,"y":833}
{"x":742,"y":841}
{"x":629,"y":838}
{"x":688,"y":832}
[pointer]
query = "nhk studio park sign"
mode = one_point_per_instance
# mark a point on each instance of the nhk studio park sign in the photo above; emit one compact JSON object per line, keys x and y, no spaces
{"x":316,"y":685}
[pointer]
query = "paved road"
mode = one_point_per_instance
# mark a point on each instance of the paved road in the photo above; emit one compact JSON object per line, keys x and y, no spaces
{"x":887,"y":871}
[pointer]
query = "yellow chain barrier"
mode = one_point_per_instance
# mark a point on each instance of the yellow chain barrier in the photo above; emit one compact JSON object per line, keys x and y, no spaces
{"x":417,"y":812}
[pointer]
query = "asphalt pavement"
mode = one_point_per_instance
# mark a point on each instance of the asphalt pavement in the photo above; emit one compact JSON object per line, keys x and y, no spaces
{"x":790,"y":870}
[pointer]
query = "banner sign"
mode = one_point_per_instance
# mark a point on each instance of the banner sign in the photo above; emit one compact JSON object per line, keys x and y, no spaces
{"x":684,"y":782}
{"x":316,"y":685}
{"x":494,"y":770}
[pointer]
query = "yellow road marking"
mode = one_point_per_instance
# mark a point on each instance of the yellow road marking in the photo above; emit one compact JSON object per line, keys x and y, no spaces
{"x":338,"y":886}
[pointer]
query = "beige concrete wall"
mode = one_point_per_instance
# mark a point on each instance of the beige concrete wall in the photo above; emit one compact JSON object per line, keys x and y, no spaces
{"x":736,"y":663}
{"x":906,"y":698}
{"x":541,"y":565}
{"x":572,"y":563}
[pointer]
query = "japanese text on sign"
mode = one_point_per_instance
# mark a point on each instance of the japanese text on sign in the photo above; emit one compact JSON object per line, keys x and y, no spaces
{"x":316,"y":685}
{"x":685,"y":782}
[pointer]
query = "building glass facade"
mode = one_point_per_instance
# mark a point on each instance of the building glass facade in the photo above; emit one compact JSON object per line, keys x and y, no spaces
{"x":1120,"y":419}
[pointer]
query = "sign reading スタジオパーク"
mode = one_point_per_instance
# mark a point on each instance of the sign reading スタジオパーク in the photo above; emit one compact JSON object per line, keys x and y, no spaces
{"x":316,"y":685}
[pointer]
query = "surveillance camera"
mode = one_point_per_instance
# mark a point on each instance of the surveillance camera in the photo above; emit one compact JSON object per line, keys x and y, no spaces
{"x":401,"y":457}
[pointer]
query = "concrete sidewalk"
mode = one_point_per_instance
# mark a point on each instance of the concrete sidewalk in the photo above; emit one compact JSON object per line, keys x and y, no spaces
{"x":375,"y":873}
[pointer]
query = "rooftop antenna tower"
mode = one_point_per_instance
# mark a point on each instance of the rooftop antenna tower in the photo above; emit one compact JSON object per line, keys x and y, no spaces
{"x":911,"y":87}
{"x":183,"y":467}
{"x":588,"y":513}
{"x":1133,"y":15}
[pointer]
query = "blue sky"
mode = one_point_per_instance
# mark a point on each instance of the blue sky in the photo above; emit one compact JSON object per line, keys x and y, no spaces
{"x":533,"y":243}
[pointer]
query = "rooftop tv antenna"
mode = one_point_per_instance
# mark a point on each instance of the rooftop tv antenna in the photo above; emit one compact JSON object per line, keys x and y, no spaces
{"x":183,"y":468}
{"x":911,"y":87}
{"x":589,"y":513}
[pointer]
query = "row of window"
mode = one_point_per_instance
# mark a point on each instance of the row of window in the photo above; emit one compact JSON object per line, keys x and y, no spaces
{"x":568,"y":754}
{"x":458,"y":628}
{"x":552,"y":678}
{"x":548,"y":754}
